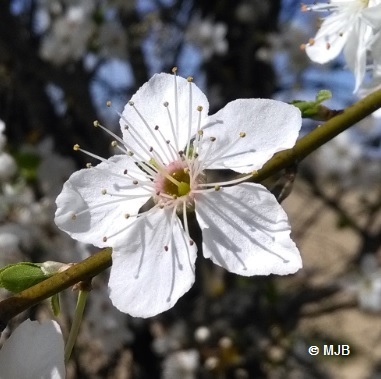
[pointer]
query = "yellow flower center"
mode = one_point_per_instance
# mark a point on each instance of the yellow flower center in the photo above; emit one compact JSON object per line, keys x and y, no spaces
{"x":179,"y":186}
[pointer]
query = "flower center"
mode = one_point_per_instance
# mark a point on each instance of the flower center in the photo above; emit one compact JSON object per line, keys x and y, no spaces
{"x":180,"y":186}
{"x":173,"y":180}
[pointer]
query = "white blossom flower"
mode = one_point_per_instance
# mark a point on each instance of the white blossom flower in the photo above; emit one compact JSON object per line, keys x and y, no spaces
{"x":34,"y":350}
{"x":350,"y":27}
{"x":169,"y":142}
{"x":69,"y":36}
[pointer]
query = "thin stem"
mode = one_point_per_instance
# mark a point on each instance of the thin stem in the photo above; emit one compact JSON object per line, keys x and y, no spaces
{"x":98,"y":262}
{"x":79,"y":309}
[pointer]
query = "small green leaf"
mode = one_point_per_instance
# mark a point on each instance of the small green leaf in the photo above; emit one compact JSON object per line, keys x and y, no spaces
{"x":55,"y":303}
{"x":314,"y":109}
{"x":19,"y":276}
{"x":323,"y":95}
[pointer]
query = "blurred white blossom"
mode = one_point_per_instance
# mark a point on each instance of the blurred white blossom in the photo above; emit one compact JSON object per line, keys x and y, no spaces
{"x":181,"y":364}
{"x":350,"y":27}
{"x":208,"y":36}
{"x":3,"y":139}
{"x":34,"y":350}
{"x":68,"y":38}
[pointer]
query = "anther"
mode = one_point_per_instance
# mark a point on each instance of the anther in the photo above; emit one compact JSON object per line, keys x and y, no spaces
{"x":166,"y":248}
{"x":166,"y":103}
{"x":212,"y":139}
{"x":200,"y":108}
{"x":104,"y":239}
{"x":131,"y":103}
{"x":151,"y":149}
{"x":108,"y":103}
{"x":200,"y":132}
{"x":74,"y":217}
{"x":76,"y":147}
{"x":126,"y":127}
{"x":174,"y":69}
{"x":167,"y":141}
{"x":96,"y":123}
{"x":104,"y":191}
{"x":217,"y":187}
{"x":114,"y":144}
{"x":89,"y":165}
{"x":130,"y":153}
{"x":127,"y":215}
{"x":328,"y":45}
{"x":186,"y":170}
{"x":190,"y":79}
{"x":135,"y":182}
{"x":125,"y":172}
{"x":191,"y":242}
{"x":242,"y":134}
{"x":311,"y":41}
{"x":156,"y":127}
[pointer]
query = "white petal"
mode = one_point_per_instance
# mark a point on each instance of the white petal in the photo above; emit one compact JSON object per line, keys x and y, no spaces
{"x":149,"y":100}
{"x":270,"y":126}
{"x":372,"y":16}
{"x":102,"y":214}
{"x":246,"y":231}
{"x":355,"y":52}
{"x":334,"y":30}
{"x":146,"y":279}
{"x":34,"y":350}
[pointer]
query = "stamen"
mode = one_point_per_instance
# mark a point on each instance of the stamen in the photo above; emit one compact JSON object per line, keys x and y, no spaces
{"x":98,"y":124}
{"x":141,"y":215}
{"x":76,"y":147}
{"x":201,"y":164}
{"x":171,"y":151}
{"x":189,"y":116}
{"x":229,"y":182}
{"x":148,"y":128}
{"x":141,"y":142}
{"x":175,"y":137}
{"x":174,"y":70}
{"x":227,"y":148}
{"x":185,"y":222}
